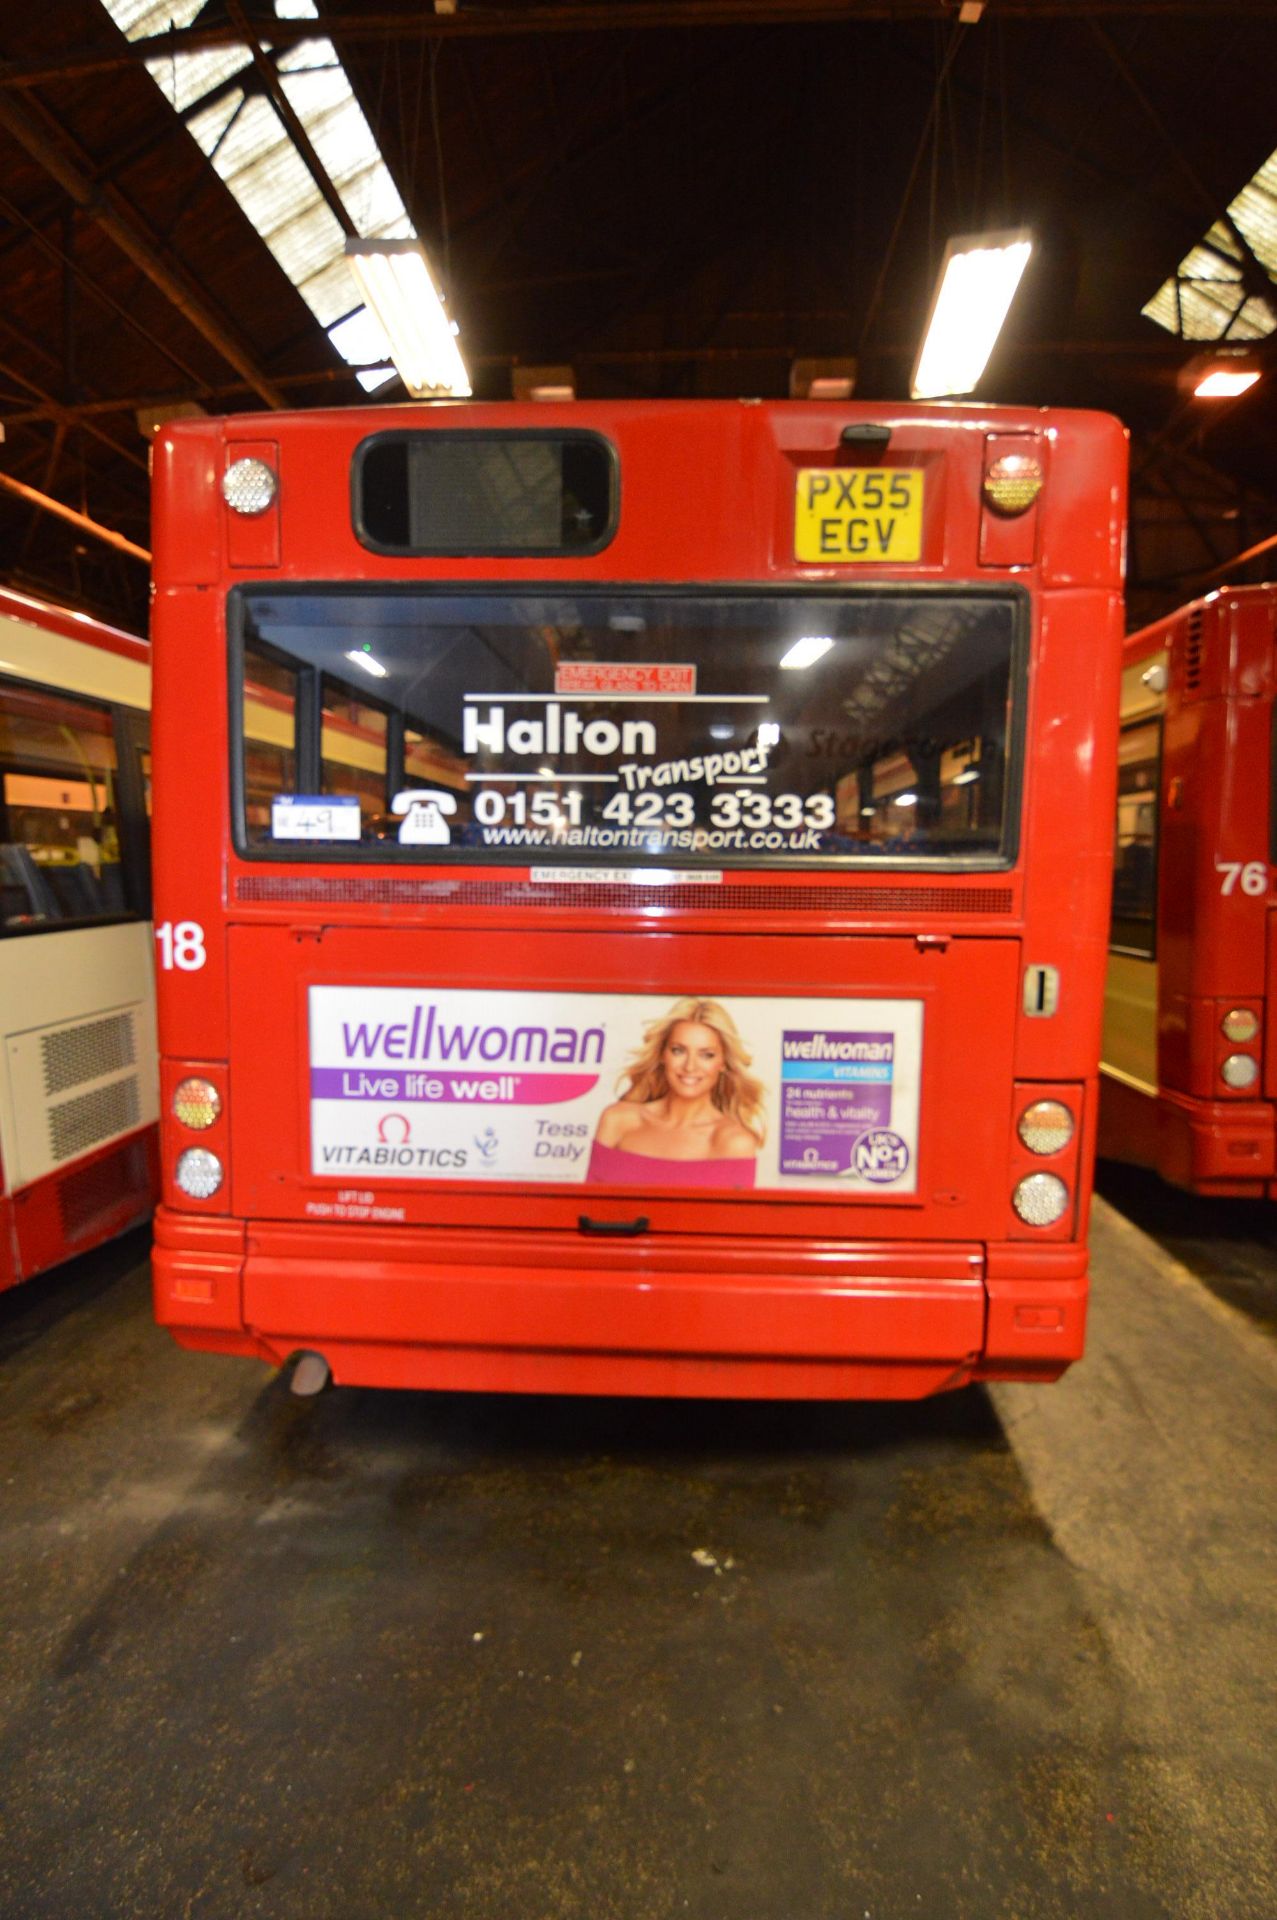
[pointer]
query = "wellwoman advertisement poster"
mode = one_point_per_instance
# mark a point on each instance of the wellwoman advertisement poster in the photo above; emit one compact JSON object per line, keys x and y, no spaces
{"x":655,"y":1091}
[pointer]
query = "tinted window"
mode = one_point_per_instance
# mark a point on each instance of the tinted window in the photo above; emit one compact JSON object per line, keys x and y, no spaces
{"x":477,"y":492}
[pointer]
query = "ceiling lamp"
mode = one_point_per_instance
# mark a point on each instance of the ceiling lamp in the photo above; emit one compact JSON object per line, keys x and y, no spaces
{"x":1221,"y":375}
{"x":396,"y":282}
{"x":978,"y":278}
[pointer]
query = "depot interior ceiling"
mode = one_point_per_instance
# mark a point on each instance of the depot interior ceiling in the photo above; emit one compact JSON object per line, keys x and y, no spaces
{"x":674,"y":197}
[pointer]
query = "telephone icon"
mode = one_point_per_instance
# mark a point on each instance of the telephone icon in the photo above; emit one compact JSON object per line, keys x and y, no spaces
{"x":423,"y":810}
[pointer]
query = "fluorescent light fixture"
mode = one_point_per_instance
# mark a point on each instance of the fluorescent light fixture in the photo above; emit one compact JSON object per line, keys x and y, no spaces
{"x":804,"y":652}
{"x":367,"y":662}
{"x":721,"y":732}
{"x":967,"y":775}
{"x":396,"y":282}
{"x":1225,"y":383}
{"x":904,"y":799}
{"x":978,"y":279}
{"x":1222,"y":381}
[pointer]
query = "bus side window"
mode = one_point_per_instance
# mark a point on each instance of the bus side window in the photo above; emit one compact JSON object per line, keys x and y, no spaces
{"x":270,"y":742}
{"x":59,"y":824}
{"x":1139,"y":765}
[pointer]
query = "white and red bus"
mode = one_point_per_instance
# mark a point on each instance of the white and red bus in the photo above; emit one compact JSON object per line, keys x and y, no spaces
{"x":632,"y":891}
{"x":1189,"y":1072}
{"x":78,"y":1072}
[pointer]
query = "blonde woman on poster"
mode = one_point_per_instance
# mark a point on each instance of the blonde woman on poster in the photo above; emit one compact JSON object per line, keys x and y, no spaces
{"x":690,"y":1113}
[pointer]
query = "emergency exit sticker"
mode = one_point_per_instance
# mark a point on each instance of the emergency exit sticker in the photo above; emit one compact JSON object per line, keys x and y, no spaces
{"x":847,"y":515}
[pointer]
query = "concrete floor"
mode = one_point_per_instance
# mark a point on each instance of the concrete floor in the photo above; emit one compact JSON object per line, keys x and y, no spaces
{"x":1005,"y":1656}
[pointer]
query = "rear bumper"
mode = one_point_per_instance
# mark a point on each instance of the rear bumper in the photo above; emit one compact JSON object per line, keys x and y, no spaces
{"x":1227,"y":1148}
{"x":561,"y":1313}
{"x":1223,"y":1147}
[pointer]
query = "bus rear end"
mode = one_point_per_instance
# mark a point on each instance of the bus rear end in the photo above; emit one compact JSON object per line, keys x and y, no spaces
{"x":1189,"y":1074}
{"x":632,"y":891}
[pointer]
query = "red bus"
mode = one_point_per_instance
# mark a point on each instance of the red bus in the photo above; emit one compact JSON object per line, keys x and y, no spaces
{"x":78,"y":1077}
{"x":632,"y":886}
{"x":1189,"y":1078}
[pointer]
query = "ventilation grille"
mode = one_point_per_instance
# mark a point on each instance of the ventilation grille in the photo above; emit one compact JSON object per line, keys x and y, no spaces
{"x":1193,"y":651}
{"x":115,"y":1186}
{"x":525,"y":893}
{"x":78,"y":1124}
{"x":87,"y":1052}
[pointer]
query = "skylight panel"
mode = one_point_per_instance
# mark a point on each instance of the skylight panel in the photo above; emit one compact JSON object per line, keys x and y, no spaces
{"x":359,"y":339}
{"x":186,"y":77}
{"x":242,"y":136}
{"x":1206,"y":299}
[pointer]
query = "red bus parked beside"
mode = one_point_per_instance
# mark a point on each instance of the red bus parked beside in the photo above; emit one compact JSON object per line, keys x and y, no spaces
{"x":1189,"y":1075}
{"x":78,"y":1081}
{"x":632,"y":886}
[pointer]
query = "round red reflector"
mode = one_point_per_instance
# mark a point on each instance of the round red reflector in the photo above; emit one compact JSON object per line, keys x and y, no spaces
{"x":1013,"y":482}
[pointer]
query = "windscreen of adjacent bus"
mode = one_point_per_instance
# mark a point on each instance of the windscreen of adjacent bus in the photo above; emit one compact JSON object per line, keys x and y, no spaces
{"x":628,"y":728}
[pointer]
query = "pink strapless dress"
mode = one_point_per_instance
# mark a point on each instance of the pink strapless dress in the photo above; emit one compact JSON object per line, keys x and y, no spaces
{"x":613,"y":1166}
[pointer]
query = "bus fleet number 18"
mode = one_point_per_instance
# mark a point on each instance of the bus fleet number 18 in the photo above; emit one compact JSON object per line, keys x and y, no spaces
{"x":181,"y":945}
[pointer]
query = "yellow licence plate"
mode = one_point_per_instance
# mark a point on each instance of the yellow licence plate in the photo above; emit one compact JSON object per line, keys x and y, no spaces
{"x":850,"y":514}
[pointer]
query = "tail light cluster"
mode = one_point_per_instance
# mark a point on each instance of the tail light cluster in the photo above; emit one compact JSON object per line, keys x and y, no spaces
{"x":1044,"y":1157}
{"x":197,"y":1121}
{"x":1239,"y":1066}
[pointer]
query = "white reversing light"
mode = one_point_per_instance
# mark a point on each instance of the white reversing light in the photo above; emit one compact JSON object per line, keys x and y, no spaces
{"x":249,"y":486}
{"x":1239,"y":1071}
{"x":1040,"y":1199}
{"x":198,"y":1173}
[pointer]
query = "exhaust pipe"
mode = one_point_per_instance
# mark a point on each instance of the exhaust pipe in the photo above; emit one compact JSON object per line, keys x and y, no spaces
{"x":310,"y":1376}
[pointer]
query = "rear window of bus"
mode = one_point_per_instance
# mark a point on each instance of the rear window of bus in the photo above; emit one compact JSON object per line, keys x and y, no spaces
{"x":725,"y":729}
